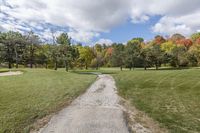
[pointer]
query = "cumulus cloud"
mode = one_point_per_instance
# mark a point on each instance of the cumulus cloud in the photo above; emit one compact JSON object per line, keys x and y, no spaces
{"x":170,"y":25}
{"x":181,"y":16}
{"x":104,"y":41}
{"x":82,"y":36}
{"x":86,"y":19}
{"x":1,"y":28}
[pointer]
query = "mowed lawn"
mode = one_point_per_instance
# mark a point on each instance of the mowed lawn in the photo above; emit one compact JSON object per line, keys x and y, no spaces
{"x":171,"y":97}
{"x":38,"y":92}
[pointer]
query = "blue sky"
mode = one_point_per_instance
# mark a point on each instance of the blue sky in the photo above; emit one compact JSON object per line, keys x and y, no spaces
{"x":128,"y":30}
{"x":100,"y":21}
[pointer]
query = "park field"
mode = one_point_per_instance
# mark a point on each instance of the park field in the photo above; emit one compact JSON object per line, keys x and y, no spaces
{"x":35,"y":94}
{"x":171,"y":97}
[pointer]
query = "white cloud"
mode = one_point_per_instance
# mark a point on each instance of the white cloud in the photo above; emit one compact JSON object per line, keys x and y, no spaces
{"x":181,"y":16}
{"x":86,"y":19}
{"x":1,"y":28}
{"x":170,"y":25}
{"x":104,"y":41}
{"x":82,"y":36}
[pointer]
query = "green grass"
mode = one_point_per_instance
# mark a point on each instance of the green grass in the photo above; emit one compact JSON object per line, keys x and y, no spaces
{"x":4,"y":70}
{"x":171,"y":97}
{"x":101,"y":70}
{"x":35,"y":94}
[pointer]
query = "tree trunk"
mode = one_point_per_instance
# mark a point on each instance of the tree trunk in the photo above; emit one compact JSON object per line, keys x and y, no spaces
{"x":16,"y":56}
{"x":9,"y":65}
{"x":121,"y":68}
{"x":31,"y":56}
{"x":17,"y":65}
{"x":17,"y":61}
{"x":66,"y":66}
{"x":86,"y":67}
{"x":56,"y":65}
{"x":156,"y":66}
{"x":46,"y":65}
{"x":97,"y":67}
{"x":9,"y":58}
{"x":145,"y":65}
{"x":31,"y":64}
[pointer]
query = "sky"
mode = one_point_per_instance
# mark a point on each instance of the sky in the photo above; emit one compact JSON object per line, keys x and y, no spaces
{"x":100,"y":21}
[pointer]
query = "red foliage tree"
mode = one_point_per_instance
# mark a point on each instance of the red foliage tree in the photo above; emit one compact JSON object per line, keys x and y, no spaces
{"x":159,"y":40}
{"x":184,"y":42}
{"x":198,"y":41}
{"x":176,"y":37}
{"x":109,"y":51}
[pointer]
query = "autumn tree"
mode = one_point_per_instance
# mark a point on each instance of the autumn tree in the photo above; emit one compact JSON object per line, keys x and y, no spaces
{"x":158,"y":40}
{"x":194,"y":54}
{"x":86,"y":55}
{"x":98,"y":56}
{"x":195,"y":36}
{"x":176,"y":37}
{"x":108,"y":52}
{"x":184,"y":42}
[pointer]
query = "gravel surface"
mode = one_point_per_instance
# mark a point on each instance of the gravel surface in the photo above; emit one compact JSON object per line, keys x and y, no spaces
{"x":10,"y":73}
{"x":96,"y":111}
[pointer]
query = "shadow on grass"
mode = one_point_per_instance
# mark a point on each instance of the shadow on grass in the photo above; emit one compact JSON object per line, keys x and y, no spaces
{"x":93,"y":72}
{"x":170,"y":68}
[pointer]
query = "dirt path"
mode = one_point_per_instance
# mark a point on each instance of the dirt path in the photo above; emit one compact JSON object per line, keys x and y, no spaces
{"x":96,"y":111}
{"x":10,"y":73}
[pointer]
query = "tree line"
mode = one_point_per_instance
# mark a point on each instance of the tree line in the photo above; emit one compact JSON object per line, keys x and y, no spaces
{"x":18,"y":50}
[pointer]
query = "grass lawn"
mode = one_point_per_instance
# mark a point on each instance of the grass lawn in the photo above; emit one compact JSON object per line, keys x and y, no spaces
{"x":172,"y":97}
{"x":35,"y":94}
{"x":4,"y":70}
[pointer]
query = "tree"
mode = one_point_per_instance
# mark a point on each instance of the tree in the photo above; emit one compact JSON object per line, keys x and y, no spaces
{"x":98,"y":56}
{"x":117,"y":55}
{"x":12,"y":47}
{"x":176,"y":37}
{"x":33,"y":42}
{"x":159,"y":40}
{"x":55,"y":55}
{"x":155,"y":55}
{"x":54,"y":50}
{"x":108,"y":52}
{"x":64,"y":42}
{"x":195,"y":36}
{"x":43,"y":55}
{"x":74,"y":55}
{"x":86,"y":55}
{"x":184,"y":42}
{"x":194,"y":55}
{"x":132,"y":51}
{"x":167,"y":47}
{"x":144,"y":56}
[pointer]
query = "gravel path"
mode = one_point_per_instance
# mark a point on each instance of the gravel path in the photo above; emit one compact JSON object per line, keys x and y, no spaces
{"x":96,"y":111}
{"x":10,"y":73}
